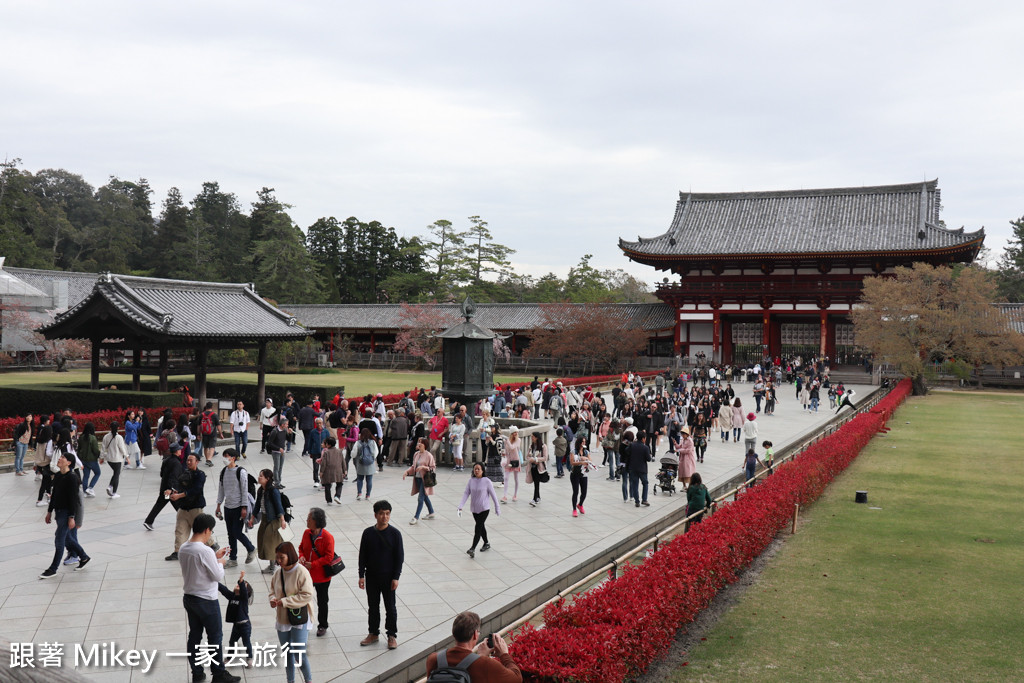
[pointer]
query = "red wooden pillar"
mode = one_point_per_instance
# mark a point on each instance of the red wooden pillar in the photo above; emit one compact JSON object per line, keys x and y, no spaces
{"x":766,"y":319}
{"x":373,"y":342}
{"x":332,"y":346}
{"x":727,"y":349}
{"x":677,"y":342}
{"x":823,"y":350}
{"x":512,"y":343}
{"x":716,"y":335}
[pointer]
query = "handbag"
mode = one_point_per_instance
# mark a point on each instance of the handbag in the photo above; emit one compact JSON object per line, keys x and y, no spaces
{"x":429,"y":479}
{"x":335,"y":566}
{"x":297,"y":616}
{"x":513,"y":464}
{"x":543,"y":477}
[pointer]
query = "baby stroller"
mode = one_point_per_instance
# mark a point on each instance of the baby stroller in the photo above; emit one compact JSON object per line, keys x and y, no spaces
{"x":667,"y":474}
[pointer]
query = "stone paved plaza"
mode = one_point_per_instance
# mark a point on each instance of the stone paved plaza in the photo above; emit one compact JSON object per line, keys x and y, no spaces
{"x":130,"y":595}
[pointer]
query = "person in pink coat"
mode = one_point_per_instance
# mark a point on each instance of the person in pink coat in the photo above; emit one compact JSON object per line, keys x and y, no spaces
{"x":422,"y":462}
{"x":687,"y":457}
{"x":512,"y":462}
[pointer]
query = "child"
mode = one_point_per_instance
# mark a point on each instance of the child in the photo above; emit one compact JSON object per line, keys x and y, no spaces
{"x":237,"y":614}
{"x":769,"y":455}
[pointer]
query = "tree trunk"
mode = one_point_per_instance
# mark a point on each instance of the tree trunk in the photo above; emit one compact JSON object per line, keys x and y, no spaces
{"x":919,"y":386}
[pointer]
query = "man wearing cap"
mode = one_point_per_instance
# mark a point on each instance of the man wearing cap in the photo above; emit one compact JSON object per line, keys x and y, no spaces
{"x":170,"y":473}
{"x":233,"y":492}
{"x":277,"y":441}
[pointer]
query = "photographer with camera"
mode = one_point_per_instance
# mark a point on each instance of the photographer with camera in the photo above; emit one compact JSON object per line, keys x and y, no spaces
{"x":484,"y":662}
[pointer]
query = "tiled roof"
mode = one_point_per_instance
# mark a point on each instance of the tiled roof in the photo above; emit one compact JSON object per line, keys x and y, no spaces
{"x":1015,"y":314}
{"x":857,"y":220}
{"x":80,"y":285}
{"x":182,"y":308}
{"x":497,"y":317}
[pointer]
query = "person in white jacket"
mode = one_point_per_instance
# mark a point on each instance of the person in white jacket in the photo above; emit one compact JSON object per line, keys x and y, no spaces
{"x":750,"y":432}
{"x":114,"y":451}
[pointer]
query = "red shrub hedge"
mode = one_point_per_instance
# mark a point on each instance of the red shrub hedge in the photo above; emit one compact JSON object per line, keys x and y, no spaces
{"x":101,"y":419}
{"x":616,"y":630}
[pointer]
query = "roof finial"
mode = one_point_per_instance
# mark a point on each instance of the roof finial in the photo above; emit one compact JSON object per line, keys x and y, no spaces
{"x":468,"y":309}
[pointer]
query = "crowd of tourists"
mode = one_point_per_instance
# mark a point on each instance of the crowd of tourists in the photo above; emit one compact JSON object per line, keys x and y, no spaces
{"x":616,"y":434}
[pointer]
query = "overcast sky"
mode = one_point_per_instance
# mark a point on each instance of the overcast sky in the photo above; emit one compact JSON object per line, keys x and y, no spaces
{"x":564,"y":125}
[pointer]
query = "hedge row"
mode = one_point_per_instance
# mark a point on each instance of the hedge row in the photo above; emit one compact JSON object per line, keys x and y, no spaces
{"x":614,"y":632}
{"x":18,"y":400}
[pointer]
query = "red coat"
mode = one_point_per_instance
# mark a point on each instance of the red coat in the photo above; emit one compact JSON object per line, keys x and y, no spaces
{"x":322,"y":555}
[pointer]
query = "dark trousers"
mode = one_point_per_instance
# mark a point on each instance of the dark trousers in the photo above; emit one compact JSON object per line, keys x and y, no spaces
{"x":378,"y":587}
{"x":480,"y":531}
{"x":64,"y":537}
{"x":266,"y":433}
{"x":322,"y":598}
{"x":203,"y":615}
{"x":579,"y":488}
{"x":327,"y":491}
{"x":635,"y":479}
{"x":316,"y":468}
{"x":236,"y":532}
{"x":305,"y":440}
{"x":46,"y":483}
{"x":242,"y":632}
{"x":241,"y":442}
{"x":157,"y":507}
{"x":115,"y":478}
{"x":536,"y":483}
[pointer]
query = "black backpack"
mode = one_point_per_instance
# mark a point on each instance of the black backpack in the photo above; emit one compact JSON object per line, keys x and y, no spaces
{"x":251,"y":484}
{"x":287,"y":506}
{"x":452,"y":674}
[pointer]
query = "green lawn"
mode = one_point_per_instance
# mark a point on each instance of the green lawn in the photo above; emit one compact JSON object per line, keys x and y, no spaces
{"x":928,"y":588}
{"x":356,"y":382}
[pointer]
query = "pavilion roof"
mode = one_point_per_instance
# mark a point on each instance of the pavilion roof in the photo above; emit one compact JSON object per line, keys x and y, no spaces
{"x":156,"y":308}
{"x":856,"y":220}
{"x":499,"y":317}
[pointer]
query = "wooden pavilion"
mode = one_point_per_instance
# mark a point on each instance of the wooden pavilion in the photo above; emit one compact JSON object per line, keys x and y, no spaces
{"x":152,"y":314}
{"x":777,"y":273}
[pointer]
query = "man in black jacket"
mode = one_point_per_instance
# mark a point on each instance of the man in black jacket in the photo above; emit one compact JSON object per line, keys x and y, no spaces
{"x":187,"y":497}
{"x":639,"y":456}
{"x":66,"y":505}
{"x":381,"y":556}
{"x":170,"y":473}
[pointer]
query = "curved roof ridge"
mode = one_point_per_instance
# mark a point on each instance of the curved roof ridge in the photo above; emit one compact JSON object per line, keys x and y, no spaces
{"x":916,"y":187}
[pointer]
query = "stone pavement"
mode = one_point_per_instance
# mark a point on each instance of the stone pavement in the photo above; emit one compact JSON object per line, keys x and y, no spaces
{"x":130,"y":595}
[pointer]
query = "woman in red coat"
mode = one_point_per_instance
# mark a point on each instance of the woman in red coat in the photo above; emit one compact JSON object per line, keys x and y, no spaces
{"x":315,"y":551}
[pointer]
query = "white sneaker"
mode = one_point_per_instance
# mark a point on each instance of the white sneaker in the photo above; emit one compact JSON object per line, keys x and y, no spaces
{"x":41,"y":503}
{"x":141,"y":467}
{"x":359,"y":497}
{"x":116,"y":495}
{"x":414,"y":521}
{"x":110,"y":491}
{"x":429,"y":516}
{"x":89,"y":493}
{"x":337,"y":499}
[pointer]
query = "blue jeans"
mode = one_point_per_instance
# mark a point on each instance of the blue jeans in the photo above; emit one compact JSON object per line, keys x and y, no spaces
{"x":423,"y":498}
{"x":241,"y":441}
{"x":814,"y":404}
{"x":94,"y":467}
{"x":613,"y":461}
{"x":294,"y":637}
{"x":736,"y":433}
{"x":751,"y":470}
{"x":359,"y":484}
{"x":64,"y":537}
{"x":203,"y":615}
{"x":635,"y":479}
{"x":19,"y":456}
{"x":233,"y":521}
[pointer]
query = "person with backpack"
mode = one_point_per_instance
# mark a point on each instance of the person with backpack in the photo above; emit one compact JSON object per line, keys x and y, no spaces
{"x":364,"y":453}
{"x":236,"y":490}
{"x":270,"y":509}
{"x":209,"y":425}
{"x":472,"y":660}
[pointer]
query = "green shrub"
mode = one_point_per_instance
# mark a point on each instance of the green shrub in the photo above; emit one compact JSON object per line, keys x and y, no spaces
{"x":37,"y":399}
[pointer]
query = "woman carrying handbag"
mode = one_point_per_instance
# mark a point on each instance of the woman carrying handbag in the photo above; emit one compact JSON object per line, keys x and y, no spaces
{"x":538,"y":472}
{"x":422,"y":470}
{"x":291,"y":594}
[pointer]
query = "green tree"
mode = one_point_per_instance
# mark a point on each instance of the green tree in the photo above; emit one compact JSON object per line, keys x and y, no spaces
{"x":124,"y":221}
{"x":323,"y":242}
{"x":284,"y":270}
{"x":25,"y":219}
{"x":217,"y":217}
{"x":484,"y":254}
{"x":1011,"y":265}
{"x":446,"y":259}
{"x":74,"y":205}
